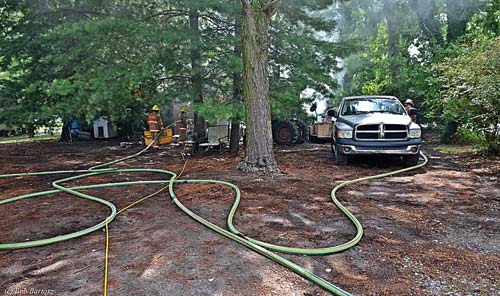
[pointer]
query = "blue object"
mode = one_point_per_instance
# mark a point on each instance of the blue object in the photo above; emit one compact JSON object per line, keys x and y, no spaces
{"x":74,"y":129}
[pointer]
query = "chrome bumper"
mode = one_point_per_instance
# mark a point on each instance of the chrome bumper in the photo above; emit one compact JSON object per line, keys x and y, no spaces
{"x":350,"y":149}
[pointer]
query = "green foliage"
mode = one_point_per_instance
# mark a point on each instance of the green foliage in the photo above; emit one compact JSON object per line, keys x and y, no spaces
{"x":303,"y":54}
{"x":404,"y":52}
{"x":454,"y":149}
{"x":216,"y":109}
{"x":84,"y":59}
{"x":470,"y":94}
{"x":382,"y":65}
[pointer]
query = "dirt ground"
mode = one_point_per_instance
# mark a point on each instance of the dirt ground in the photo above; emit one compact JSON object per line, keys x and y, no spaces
{"x":435,"y":231}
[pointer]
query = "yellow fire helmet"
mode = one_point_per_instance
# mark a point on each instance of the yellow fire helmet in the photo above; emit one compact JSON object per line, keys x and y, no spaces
{"x":184,"y":109}
{"x":156,"y":108}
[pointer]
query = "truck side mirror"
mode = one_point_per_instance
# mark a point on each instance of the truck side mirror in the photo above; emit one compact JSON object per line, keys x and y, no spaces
{"x":332,"y":112}
{"x":413,"y":112}
{"x":313,"y":107}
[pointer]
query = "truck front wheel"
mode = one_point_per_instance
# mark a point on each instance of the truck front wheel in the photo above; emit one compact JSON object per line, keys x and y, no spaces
{"x":340,"y":158}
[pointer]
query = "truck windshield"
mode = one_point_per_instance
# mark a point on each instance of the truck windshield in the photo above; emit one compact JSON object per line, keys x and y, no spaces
{"x":371,"y":105}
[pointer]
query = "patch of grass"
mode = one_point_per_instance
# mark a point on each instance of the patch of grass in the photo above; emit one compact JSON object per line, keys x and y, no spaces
{"x":20,"y":139}
{"x":453,"y":149}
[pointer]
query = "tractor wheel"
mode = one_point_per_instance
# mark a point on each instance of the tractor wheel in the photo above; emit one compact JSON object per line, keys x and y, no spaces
{"x":285,"y":132}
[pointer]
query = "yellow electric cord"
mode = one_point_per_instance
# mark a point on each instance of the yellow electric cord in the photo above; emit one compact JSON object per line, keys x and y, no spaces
{"x":106,"y":258}
{"x":153,"y":194}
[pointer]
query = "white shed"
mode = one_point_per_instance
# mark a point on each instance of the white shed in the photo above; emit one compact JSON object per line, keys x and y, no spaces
{"x":103,"y":128}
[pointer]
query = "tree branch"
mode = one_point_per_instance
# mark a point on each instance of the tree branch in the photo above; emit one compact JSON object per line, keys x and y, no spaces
{"x":168,"y":14}
{"x":271,"y":8}
{"x":216,"y":20}
{"x":173,"y":77}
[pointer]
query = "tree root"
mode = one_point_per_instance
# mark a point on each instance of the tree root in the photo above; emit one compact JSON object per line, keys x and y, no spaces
{"x":262,"y":165}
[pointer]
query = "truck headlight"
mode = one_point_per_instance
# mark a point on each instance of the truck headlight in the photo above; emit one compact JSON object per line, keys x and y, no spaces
{"x":344,"y":134}
{"x":415,"y":133}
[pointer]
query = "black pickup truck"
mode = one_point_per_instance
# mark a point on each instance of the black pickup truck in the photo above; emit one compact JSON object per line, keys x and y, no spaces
{"x":374,"y":125}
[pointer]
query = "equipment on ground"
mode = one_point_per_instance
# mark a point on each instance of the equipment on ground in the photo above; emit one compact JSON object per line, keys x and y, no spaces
{"x":320,"y":132}
{"x":165,"y":137}
{"x":78,"y":135}
{"x":218,"y":137}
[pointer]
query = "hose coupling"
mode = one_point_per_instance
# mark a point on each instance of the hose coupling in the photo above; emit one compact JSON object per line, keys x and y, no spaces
{"x":240,"y":234}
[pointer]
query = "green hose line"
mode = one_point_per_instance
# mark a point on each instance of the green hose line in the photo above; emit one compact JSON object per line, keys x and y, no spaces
{"x":245,"y":242}
{"x":133,"y":155}
{"x":48,"y":173}
{"x":73,"y":191}
{"x":83,"y":173}
{"x":260,"y":247}
{"x":338,"y":204}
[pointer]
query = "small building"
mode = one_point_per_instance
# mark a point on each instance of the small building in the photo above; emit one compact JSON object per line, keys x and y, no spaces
{"x":103,"y":129}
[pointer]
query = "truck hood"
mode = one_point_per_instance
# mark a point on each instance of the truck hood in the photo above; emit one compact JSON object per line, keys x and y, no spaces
{"x":375,"y":118}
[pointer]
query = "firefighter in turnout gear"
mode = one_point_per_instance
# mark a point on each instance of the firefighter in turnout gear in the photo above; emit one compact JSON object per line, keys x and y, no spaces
{"x":410,"y":108}
{"x":182,"y":124}
{"x":155,"y":124}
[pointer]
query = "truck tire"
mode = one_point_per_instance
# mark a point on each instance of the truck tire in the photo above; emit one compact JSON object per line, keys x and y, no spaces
{"x":285,"y":132}
{"x":340,"y":158}
{"x":411,"y":160}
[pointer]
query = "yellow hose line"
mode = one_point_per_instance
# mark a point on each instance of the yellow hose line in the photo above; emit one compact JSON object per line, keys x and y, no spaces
{"x":106,"y":259}
{"x":141,"y":200}
{"x":153,"y":194}
{"x":182,"y":171}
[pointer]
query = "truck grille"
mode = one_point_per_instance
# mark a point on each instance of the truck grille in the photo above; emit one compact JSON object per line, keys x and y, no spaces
{"x":381,"y":132}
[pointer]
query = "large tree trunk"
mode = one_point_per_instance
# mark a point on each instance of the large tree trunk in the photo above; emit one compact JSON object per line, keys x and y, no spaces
{"x":66,"y":130}
{"x":234,"y":141}
{"x":259,"y":149}
{"x":196,"y":69}
{"x":30,"y":130}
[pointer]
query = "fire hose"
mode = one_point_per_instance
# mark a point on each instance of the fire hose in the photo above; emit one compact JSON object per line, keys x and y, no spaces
{"x":263,"y":248}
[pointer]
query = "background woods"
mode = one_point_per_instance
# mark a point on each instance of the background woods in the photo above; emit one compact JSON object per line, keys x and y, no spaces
{"x":83,"y":59}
